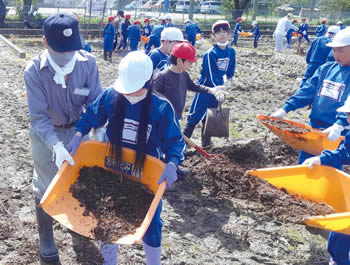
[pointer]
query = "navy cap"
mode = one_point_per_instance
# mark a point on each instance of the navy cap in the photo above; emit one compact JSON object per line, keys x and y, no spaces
{"x":62,"y":33}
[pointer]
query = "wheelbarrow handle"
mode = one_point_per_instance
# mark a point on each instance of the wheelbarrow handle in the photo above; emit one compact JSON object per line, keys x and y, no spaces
{"x":194,"y":145}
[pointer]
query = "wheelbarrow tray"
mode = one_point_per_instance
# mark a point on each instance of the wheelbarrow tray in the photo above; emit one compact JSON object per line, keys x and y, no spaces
{"x":312,"y":141}
{"x":321,"y":184}
{"x":59,"y":203}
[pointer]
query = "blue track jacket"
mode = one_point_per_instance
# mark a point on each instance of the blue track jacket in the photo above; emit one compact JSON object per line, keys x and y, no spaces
{"x":318,"y":51}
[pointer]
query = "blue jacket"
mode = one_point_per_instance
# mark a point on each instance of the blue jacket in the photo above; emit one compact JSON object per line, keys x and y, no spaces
{"x":109,"y":32}
{"x":321,"y":30}
{"x":318,"y":51}
{"x":147,"y":30}
{"x":124,"y":29}
{"x":302,"y":28}
{"x":160,"y":61}
{"x":340,"y":155}
{"x":164,"y":135}
{"x":192,"y":29}
{"x":169,"y":25}
{"x":216,"y":64}
{"x":237,"y":29}
{"x":256,"y":32}
{"x":134,"y":33}
{"x":157,"y":30}
{"x":326,"y":91}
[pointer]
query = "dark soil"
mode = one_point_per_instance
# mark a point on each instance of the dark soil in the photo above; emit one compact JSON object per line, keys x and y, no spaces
{"x":119,"y":204}
{"x":283,"y":125}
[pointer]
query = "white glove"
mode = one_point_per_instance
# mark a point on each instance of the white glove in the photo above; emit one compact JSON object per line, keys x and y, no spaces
{"x":304,"y":32}
{"x":100,"y":134}
{"x":316,"y":160}
{"x":61,"y":154}
{"x":219,"y":93}
{"x":334,"y":131}
{"x":279,"y":114}
{"x":227,"y":84}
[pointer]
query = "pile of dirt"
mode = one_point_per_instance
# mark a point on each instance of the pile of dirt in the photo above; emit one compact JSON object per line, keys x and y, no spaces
{"x":284,"y":125}
{"x":118,"y":204}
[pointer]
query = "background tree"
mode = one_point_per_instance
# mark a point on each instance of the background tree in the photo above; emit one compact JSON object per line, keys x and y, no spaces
{"x":236,"y":7}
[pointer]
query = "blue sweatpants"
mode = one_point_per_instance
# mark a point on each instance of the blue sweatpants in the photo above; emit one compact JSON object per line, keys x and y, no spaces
{"x":200,"y":104}
{"x":153,"y":235}
{"x":339,"y":248}
{"x":133,"y":45}
{"x":309,"y":72}
{"x":152,"y":41}
{"x":192,"y":39}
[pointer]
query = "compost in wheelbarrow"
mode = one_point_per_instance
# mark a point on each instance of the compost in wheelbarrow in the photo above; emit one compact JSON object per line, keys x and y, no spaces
{"x":118,"y":204}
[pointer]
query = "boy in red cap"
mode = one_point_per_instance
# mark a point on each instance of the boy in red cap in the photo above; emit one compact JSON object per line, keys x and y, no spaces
{"x":321,"y":29}
{"x":303,"y":30}
{"x":108,"y":38}
{"x":236,"y":31}
{"x":134,"y":35}
{"x":147,"y":29}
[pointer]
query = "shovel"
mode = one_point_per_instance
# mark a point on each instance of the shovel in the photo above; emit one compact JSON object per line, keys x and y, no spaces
{"x":214,"y":158}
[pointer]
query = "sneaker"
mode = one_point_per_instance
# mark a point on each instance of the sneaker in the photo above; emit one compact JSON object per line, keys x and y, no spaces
{"x":53,"y":262}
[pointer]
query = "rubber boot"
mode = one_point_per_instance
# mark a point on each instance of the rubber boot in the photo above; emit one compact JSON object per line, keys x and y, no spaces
{"x":109,"y":253}
{"x":105,"y":55}
{"x":153,"y":254}
{"x":48,"y":249}
{"x":205,"y":139}
{"x":188,"y":130}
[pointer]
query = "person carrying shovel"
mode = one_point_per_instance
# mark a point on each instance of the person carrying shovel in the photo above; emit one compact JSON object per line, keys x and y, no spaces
{"x":325,"y":91}
{"x":140,"y":119}
{"x":338,"y":244}
{"x":218,"y":61}
{"x":60,"y":82}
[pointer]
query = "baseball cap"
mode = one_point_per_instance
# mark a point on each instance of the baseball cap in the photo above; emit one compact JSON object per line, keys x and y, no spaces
{"x":323,"y":21}
{"x":255,"y":23}
{"x":187,"y":21}
{"x":135,"y":69}
{"x":136,"y":22}
{"x":294,"y":21}
{"x":168,"y":17}
{"x":220,"y":22}
{"x":333,"y":29}
{"x":342,"y":39}
{"x":303,"y":19}
{"x":110,"y":18}
{"x":61,"y":31}
{"x":184,"y":50}
{"x":239,"y":19}
{"x":172,"y":34}
{"x":345,"y":107}
{"x":146,"y":20}
{"x":339,"y":22}
{"x":128,"y":16}
{"x":290,"y":15}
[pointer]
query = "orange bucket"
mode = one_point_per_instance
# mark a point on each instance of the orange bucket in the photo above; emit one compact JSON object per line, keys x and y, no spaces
{"x":198,"y":36}
{"x":144,"y":39}
{"x":245,"y":34}
{"x":321,"y":184}
{"x":59,"y":203}
{"x":312,"y":141}
{"x":295,"y":34}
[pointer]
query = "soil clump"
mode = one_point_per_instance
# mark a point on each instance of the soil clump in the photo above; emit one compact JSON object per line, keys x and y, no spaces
{"x":283,"y":125}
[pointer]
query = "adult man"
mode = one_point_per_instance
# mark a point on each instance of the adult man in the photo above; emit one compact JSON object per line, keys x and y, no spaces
{"x":282,"y":27}
{"x":60,"y":82}
{"x":117,"y":22}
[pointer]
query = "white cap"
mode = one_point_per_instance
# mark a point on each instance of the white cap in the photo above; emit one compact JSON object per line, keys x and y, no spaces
{"x":255,"y":23}
{"x":172,"y":34}
{"x":220,"y":22}
{"x":342,"y":39}
{"x":168,"y":17}
{"x":187,"y":21}
{"x":345,"y":107}
{"x":333,"y":29}
{"x":135,"y":69}
{"x":339,"y":22}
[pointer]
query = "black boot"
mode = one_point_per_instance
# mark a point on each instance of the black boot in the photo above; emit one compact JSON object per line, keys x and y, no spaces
{"x":110,"y":56}
{"x":105,"y":55}
{"x":205,"y":139}
{"x":188,"y":130}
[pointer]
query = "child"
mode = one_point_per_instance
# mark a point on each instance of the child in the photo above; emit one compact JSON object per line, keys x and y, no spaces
{"x":147,"y":29}
{"x":134,"y":35}
{"x":236,"y":31}
{"x":340,"y":25}
{"x":326,"y":91}
{"x":338,"y":244}
{"x":218,"y":61}
{"x":160,"y":56}
{"x":108,"y":38}
{"x":256,"y":32}
{"x":154,"y":38}
{"x":191,"y":30}
{"x":141,"y":120}
{"x":318,"y":53}
{"x":321,"y":29}
{"x":168,"y":22}
{"x":125,"y":32}
{"x":290,"y":34}
{"x":303,"y":30}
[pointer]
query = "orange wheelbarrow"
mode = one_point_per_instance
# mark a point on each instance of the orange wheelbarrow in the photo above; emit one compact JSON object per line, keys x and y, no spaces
{"x":300,"y":136}
{"x":319,"y":184}
{"x":59,"y":203}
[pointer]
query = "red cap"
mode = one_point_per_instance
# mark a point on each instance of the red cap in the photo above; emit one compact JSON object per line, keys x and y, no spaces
{"x":128,"y":16}
{"x":323,"y":21}
{"x":303,"y":19}
{"x":294,"y":21}
{"x":184,"y":50}
{"x":136,"y":22}
{"x":239,"y":19}
{"x":220,"y":22}
{"x":146,"y":20}
{"x":110,"y":18}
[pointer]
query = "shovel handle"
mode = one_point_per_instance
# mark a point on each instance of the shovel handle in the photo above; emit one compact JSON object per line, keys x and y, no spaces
{"x":194,"y":145}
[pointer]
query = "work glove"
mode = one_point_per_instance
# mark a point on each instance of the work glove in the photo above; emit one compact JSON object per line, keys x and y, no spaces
{"x":316,"y":160}
{"x":169,"y":174}
{"x":100,"y":134}
{"x":227,"y":83}
{"x":74,"y":144}
{"x":61,"y":154}
{"x":218,"y":92}
{"x":334,"y":131}
{"x":304,"y":32}
{"x":279,"y":114}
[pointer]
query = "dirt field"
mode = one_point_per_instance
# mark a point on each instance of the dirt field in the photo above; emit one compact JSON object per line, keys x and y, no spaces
{"x":211,"y":217}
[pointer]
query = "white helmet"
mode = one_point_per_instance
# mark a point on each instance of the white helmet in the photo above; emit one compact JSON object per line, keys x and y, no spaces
{"x":172,"y":34}
{"x":255,"y":23}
